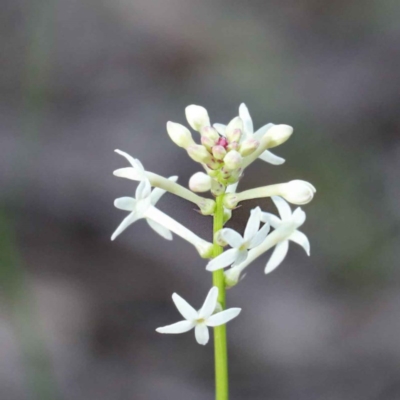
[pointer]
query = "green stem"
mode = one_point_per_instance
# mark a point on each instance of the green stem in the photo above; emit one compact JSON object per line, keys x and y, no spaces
{"x":220,"y":344}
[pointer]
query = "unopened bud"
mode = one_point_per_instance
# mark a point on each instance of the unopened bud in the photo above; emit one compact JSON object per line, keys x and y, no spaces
{"x":278,"y":134}
{"x":233,"y":160}
{"x":200,"y":182}
{"x":179,"y":134}
{"x":297,"y":191}
{"x":234,"y":130}
{"x":219,"y":152}
{"x":199,"y":153}
{"x":207,"y":142}
{"x":210,"y":132}
{"x":214,"y":164}
{"x":248,"y":146}
{"x":197,"y":117}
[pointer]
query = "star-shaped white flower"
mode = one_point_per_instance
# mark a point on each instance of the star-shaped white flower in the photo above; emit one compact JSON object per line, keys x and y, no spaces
{"x":249,"y":133}
{"x":144,"y":199}
{"x":200,"y":320}
{"x":240,"y":245}
{"x":285,"y":230}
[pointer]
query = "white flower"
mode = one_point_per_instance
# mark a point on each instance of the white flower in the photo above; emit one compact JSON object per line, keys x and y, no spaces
{"x":143,"y":207}
{"x":199,"y":320}
{"x":285,"y":230}
{"x":179,"y":134}
{"x":240,"y":245}
{"x":249,"y":133}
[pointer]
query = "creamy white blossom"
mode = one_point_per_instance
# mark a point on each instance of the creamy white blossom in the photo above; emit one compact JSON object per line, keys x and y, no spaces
{"x":200,"y":320}
{"x":286,"y":229}
{"x":253,"y":236}
{"x":143,"y":207}
{"x":248,"y":129}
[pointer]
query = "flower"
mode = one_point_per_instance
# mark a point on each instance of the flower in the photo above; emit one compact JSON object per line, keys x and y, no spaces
{"x":143,"y":207}
{"x":285,"y":230}
{"x":250,"y":134}
{"x":240,"y":245}
{"x":179,"y":134}
{"x":200,"y":320}
{"x":200,"y":182}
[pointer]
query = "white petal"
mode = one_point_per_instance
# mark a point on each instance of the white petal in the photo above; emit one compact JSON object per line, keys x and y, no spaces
{"x":178,"y":327}
{"x":299,"y":216}
{"x":253,"y":224}
{"x":241,"y":256}
{"x":271,"y":219}
{"x":157,"y":192}
{"x":128,"y":173}
{"x":209,"y":303}
{"x":201,"y":333}
{"x":301,"y":239}
{"x":246,"y":118}
{"x":233,"y":238}
{"x":223,"y":317}
{"x":143,"y":190}
{"x":161,"y":230}
{"x":220,"y":128}
{"x":129,"y":220}
{"x":277,"y":256}
{"x":133,"y":161}
{"x":186,"y":310}
{"x":283,"y":207}
{"x":262,"y":131}
{"x":259,"y":237}
{"x":271,"y":158}
{"x":125,"y":203}
{"x":223,"y":260}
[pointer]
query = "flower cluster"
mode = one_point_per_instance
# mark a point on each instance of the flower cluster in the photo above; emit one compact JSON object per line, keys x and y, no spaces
{"x":224,"y":152}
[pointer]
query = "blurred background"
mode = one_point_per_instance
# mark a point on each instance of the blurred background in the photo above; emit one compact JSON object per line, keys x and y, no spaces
{"x":81,"y":78}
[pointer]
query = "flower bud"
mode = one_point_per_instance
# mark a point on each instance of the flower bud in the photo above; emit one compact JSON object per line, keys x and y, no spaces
{"x":278,"y":134}
{"x":234,"y":130}
{"x":230,"y":201}
{"x":214,"y":164}
{"x":210,"y":132}
{"x":207,"y":142}
{"x":199,"y":153}
{"x":297,"y":191}
{"x":219,"y":152}
{"x":197,"y":117}
{"x":200,"y":182}
{"x":248,"y":146}
{"x":179,"y":134}
{"x":233,"y":160}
